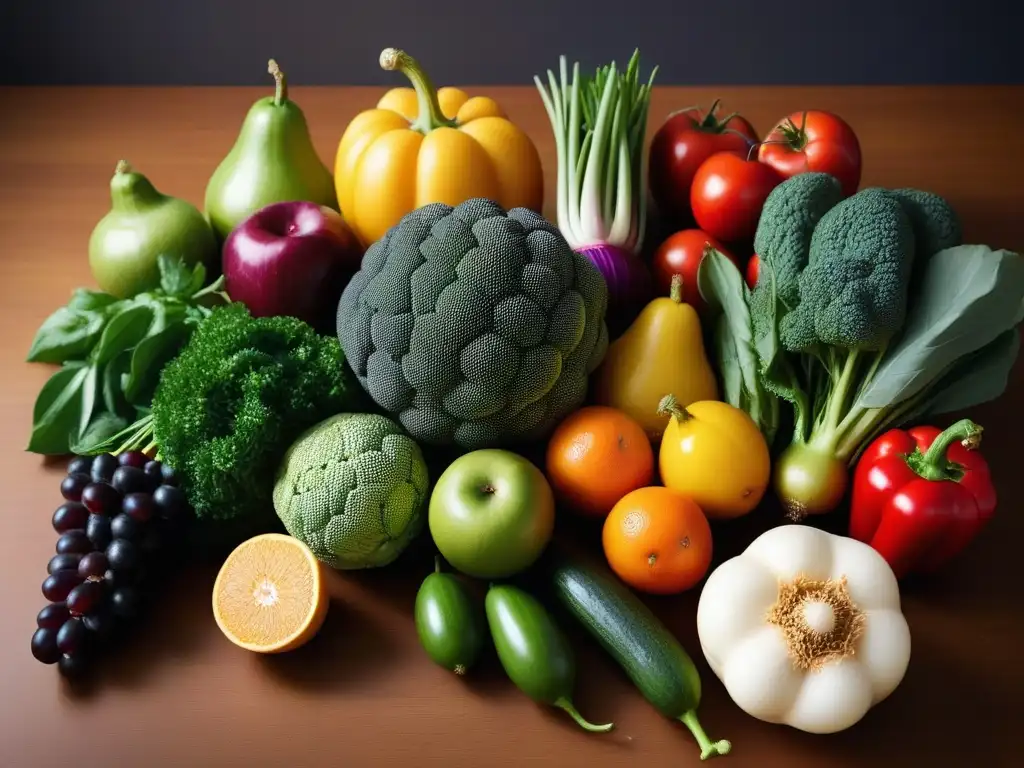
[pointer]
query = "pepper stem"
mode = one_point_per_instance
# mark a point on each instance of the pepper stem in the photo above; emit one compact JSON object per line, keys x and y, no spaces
{"x":564,"y":703}
{"x":934,"y":464}
{"x":675,"y":291}
{"x":280,"y":83}
{"x":429,"y":114}
{"x":122,"y":167}
{"x":708,"y":748}
{"x":437,"y":563}
{"x":669,"y":406}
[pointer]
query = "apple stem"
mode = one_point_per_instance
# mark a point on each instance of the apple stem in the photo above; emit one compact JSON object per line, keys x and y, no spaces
{"x":437,"y":563}
{"x":280,"y":83}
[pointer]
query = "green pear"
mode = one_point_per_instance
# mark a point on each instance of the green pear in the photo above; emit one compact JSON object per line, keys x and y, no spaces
{"x":273,"y":161}
{"x":141,"y":225}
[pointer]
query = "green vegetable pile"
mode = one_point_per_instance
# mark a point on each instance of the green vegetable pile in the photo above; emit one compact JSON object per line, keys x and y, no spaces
{"x":353,"y":488}
{"x":111,"y":352}
{"x":229,"y":405}
{"x":869,"y":313}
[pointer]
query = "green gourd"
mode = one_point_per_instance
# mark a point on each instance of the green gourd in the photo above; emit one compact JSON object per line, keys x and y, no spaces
{"x":450,"y":624}
{"x":272,"y":161}
{"x":142,"y":224}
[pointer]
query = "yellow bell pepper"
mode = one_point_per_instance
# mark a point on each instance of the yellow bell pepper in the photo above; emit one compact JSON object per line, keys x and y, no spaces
{"x":423,"y":146}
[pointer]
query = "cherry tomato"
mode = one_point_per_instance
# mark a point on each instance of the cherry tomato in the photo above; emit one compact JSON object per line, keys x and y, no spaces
{"x":681,"y":254}
{"x":728,"y":193}
{"x":814,"y":141}
{"x":753,"y":270}
{"x":687,"y":139}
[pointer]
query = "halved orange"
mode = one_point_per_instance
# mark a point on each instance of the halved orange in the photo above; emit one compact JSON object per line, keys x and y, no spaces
{"x":270,"y":595}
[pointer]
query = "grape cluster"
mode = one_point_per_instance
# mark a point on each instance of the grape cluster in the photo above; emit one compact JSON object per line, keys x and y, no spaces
{"x":120,"y":516}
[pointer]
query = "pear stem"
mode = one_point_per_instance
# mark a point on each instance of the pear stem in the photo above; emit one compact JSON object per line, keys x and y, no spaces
{"x":429,"y":115}
{"x":675,"y":291}
{"x":280,"y":83}
{"x":669,"y":406}
{"x":122,"y":167}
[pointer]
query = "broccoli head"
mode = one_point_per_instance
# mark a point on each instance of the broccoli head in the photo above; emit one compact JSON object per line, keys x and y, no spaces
{"x":936,"y":225}
{"x":788,"y":219}
{"x":853,"y":292}
{"x":229,"y":406}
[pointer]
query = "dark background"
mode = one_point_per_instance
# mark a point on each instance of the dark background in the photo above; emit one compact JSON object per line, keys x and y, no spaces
{"x":743,"y":42}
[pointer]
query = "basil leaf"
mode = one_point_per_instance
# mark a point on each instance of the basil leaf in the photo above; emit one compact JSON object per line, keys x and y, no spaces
{"x":149,"y":358}
{"x":175,"y":276}
{"x":89,"y":300}
{"x":968,"y":296}
{"x":57,"y":411}
{"x":125,"y":329}
{"x":198,"y":278}
{"x":102,"y":427}
{"x":89,"y":390}
{"x":113,"y":384}
{"x":66,"y":334}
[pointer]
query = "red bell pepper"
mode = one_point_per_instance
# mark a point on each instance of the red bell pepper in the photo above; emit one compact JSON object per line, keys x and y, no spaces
{"x":920,"y":495}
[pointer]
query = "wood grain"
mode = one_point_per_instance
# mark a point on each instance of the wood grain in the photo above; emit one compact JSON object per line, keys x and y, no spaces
{"x":363,"y":693}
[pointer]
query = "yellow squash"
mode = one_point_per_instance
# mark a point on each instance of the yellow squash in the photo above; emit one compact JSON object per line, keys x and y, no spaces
{"x":715,"y":454}
{"x":423,"y":146}
{"x":662,"y":352}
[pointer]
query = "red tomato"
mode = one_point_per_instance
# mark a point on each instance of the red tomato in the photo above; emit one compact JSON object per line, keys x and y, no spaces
{"x":753,"y":270}
{"x":681,"y":254}
{"x":728,"y":193}
{"x":814,"y":141}
{"x":687,"y":139}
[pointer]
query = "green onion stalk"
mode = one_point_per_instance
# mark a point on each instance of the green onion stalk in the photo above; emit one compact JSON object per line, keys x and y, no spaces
{"x":600,"y":125}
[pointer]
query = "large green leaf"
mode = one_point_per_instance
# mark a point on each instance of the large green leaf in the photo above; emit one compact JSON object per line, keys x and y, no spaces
{"x":968,"y":296}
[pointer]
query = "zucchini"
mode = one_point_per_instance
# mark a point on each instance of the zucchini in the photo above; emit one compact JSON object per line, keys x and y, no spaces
{"x":645,"y":649}
{"x":533,"y":651}
{"x":450,"y":625}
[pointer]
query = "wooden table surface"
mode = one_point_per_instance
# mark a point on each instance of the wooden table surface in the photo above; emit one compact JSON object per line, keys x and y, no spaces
{"x":363,"y":693}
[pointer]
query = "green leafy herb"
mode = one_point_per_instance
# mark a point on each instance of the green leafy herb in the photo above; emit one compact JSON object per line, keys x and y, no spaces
{"x":112,"y":353}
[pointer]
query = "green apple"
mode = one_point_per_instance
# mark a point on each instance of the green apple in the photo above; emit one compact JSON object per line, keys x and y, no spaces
{"x":491,"y":513}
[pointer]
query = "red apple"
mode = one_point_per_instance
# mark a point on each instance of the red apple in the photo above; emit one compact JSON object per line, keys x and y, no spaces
{"x":291,"y":258}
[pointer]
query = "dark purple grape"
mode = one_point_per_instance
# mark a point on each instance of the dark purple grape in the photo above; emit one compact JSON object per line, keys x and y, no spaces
{"x":71,"y":487}
{"x":100,"y":623}
{"x":66,"y":562}
{"x":132,"y":459}
{"x":171,"y":502}
{"x":52,"y":616}
{"x":98,"y":531}
{"x":101,"y":499}
{"x":122,"y":555}
{"x":59,"y":583}
{"x":112,"y":580}
{"x":103,"y":467}
{"x":153,"y":468}
{"x":71,"y":635}
{"x":92,"y":565}
{"x":73,"y":666}
{"x":69,"y":516}
{"x":129,"y":479}
{"x":125,"y":527}
{"x":73,"y":542}
{"x":138,"y":506}
{"x":80,"y":465}
{"x":125,"y":602}
{"x":85,"y":598}
{"x":168,"y":474}
{"x":44,"y":645}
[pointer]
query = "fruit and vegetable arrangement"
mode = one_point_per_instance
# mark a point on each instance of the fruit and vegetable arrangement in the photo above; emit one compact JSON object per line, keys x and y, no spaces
{"x":322,"y":368}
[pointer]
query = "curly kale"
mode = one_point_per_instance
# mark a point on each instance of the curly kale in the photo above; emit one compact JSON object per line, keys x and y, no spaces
{"x":229,"y":406}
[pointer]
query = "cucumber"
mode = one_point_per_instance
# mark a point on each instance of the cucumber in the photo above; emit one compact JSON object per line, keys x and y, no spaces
{"x":532,"y":649}
{"x":650,"y":655}
{"x":449,"y":623}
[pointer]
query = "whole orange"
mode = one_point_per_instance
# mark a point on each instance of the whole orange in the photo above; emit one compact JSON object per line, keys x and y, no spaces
{"x":657,"y":540}
{"x":595,"y":456}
